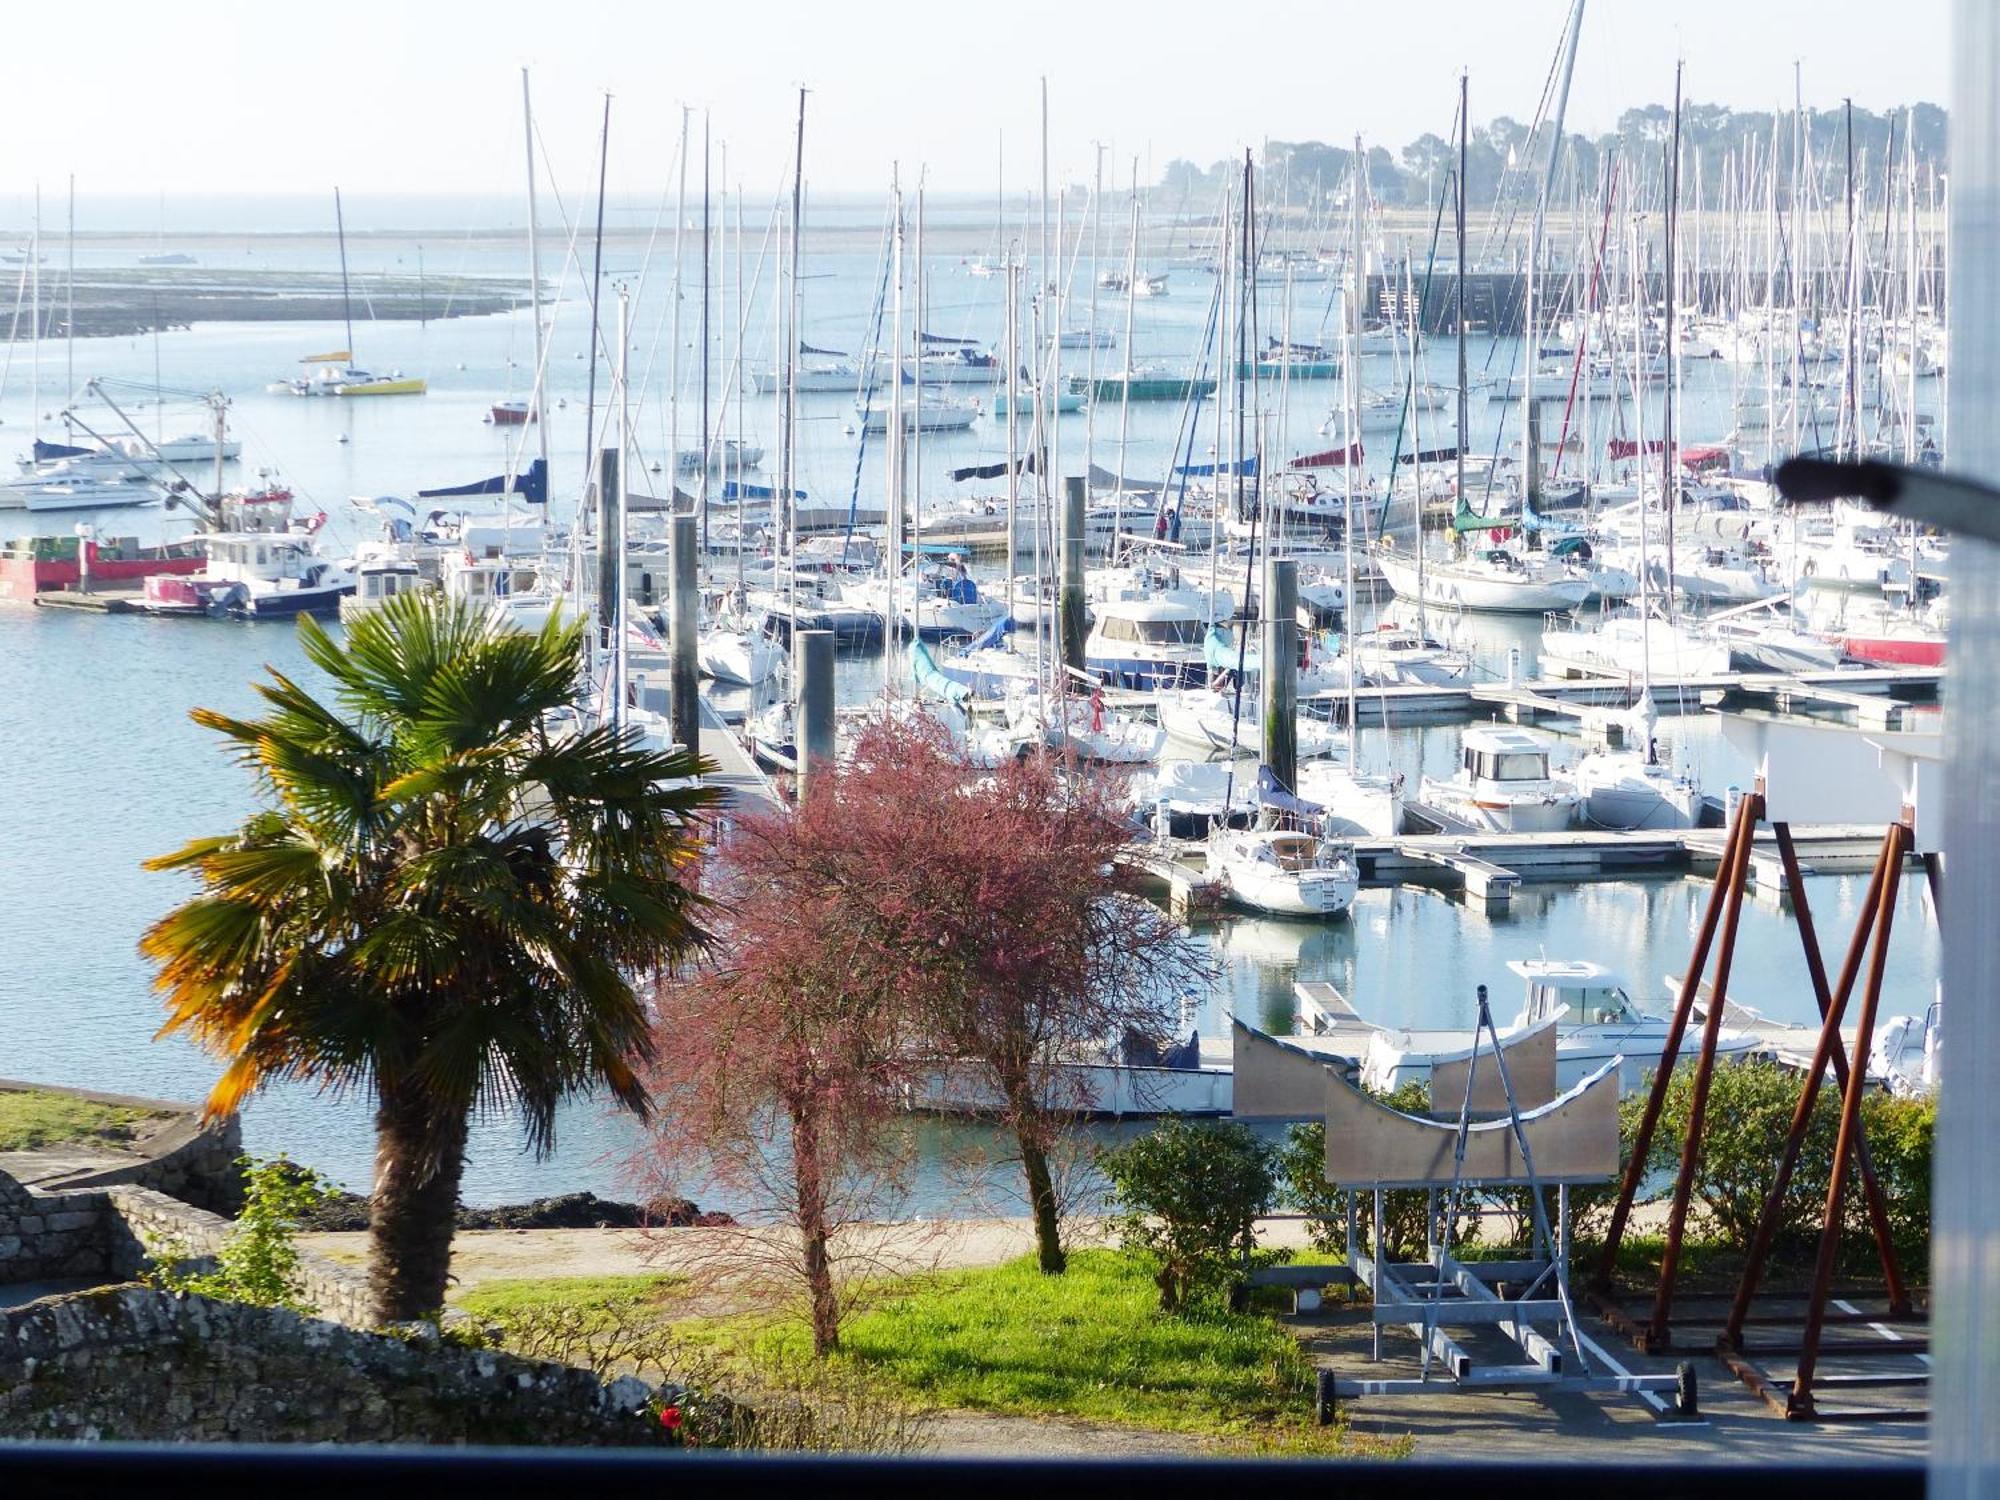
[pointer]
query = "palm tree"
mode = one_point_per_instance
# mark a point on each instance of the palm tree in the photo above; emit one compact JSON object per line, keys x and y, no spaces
{"x":439,"y":905}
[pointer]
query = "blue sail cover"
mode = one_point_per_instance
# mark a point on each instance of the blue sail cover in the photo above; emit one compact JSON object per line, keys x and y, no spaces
{"x":44,"y":452}
{"x":993,"y":635}
{"x":1201,"y":471}
{"x":731,"y":490}
{"x":532,"y":484}
{"x":1270,"y":794}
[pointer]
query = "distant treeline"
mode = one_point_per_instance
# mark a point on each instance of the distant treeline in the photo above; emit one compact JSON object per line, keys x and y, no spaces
{"x":1505,"y":160}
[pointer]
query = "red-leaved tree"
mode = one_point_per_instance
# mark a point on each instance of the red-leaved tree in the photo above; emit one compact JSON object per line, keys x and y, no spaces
{"x":1006,"y":932}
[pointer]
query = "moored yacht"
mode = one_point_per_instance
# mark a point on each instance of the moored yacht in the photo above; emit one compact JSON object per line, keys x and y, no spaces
{"x":1504,"y":783}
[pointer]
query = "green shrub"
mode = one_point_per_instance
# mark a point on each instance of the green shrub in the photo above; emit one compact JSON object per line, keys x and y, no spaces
{"x":1188,"y":1196}
{"x":259,"y":1260}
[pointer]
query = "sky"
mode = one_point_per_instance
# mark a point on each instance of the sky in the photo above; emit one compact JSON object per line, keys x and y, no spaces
{"x":424,"y":96}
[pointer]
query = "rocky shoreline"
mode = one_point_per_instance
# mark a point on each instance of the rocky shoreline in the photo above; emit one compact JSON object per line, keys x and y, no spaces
{"x":344,"y":1213}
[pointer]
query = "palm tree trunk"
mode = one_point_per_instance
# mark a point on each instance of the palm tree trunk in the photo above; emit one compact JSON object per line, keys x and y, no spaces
{"x":419,"y":1159}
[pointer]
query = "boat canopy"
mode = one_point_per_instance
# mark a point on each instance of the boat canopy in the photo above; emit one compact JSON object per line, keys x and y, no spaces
{"x":532,"y":482}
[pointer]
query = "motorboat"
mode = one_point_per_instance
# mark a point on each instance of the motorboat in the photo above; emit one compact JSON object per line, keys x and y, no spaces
{"x":376,"y":582}
{"x":1283,"y":872}
{"x":1396,"y":656}
{"x":1504,"y":783}
{"x":255,"y":576}
{"x":1147,"y":643}
{"x":79,"y":492}
{"x":511,"y":413}
{"x":731,"y":456}
{"x":1595,"y":1021}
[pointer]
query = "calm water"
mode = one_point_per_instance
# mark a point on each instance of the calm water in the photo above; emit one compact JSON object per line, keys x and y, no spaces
{"x":100,"y":767}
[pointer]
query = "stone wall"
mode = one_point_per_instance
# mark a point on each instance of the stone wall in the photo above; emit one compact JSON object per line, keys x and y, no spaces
{"x":190,"y":1158}
{"x":122,"y":1230}
{"x":142,"y":1225}
{"x":49,"y":1237}
{"x":132,"y":1363}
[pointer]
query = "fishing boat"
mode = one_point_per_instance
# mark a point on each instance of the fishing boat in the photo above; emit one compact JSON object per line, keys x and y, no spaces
{"x":1504,"y":783}
{"x":46,"y":564}
{"x":255,"y":575}
{"x":1283,"y":872}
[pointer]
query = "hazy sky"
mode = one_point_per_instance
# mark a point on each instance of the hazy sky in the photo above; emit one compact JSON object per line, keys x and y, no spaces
{"x":424,"y":95}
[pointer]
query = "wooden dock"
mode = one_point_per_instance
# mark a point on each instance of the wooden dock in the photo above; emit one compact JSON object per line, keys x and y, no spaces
{"x":1876,"y":697}
{"x":737,"y":771}
{"x":1486,"y":869}
{"x":102,"y":601}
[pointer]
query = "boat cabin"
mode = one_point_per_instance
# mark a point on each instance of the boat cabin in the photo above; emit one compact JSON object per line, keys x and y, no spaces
{"x":1495,"y":754}
{"x":1589,"y":993}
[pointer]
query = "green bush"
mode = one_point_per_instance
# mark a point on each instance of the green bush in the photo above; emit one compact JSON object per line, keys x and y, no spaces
{"x":1188,"y":1196}
{"x":259,"y":1260}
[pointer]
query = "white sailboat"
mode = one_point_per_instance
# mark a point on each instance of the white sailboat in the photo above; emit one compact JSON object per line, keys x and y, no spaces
{"x":1283,"y":872}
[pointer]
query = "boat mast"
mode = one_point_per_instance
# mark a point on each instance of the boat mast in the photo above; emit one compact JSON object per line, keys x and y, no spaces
{"x":674,"y":352}
{"x":1350,"y":381}
{"x":535,"y":401}
{"x":1125,"y":404}
{"x":1669,"y":449}
{"x":346,"y":302}
{"x":35,"y":267}
{"x":787,"y":458}
{"x":614,"y":609}
{"x":1458,"y":215}
{"x":69,"y":305}
{"x":701,"y":453}
{"x":1013,"y":397}
{"x":894,"y":561}
{"x":596,"y":285}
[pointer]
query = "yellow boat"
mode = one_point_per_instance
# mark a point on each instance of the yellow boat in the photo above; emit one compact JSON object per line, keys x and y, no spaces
{"x":382,"y":387}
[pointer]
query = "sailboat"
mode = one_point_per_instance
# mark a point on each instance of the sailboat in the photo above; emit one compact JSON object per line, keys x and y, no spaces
{"x":336,"y":374}
{"x":1630,"y":787}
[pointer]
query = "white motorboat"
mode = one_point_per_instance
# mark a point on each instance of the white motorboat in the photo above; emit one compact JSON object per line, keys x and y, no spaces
{"x":376,"y":582}
{"x":1492,"y":580}
{"x":1283,"y":872}
{"x":729,"y":457}
{"x":80,"y":492}
{"x":1595,"y":1021}
{"x":1147,"y":643}
{"x":1504,"y":783}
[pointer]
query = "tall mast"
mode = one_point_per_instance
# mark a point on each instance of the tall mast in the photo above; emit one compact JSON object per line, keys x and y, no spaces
{"x":894,"y":561}
{"x":787,"y":459}
{"x":69,"y":304}
{"x":1853,"y":294}
{"x":701,"y":449}
{"x":1669,"y":451}
{"x":1125,"y":403}
{"x":1458,"y":281}
{"x":596,"y":285}
{"x":1013,"y":347}
{"x":346,"y":302}
{"x":35,"y":268}
{"x":536,"y":401}
{"x":614,"y":608}
{"x":674,"y":352}
{"x":1350,"y":381}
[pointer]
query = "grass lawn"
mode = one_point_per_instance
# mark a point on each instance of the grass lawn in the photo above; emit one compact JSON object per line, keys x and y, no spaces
{"x":1090,"y":1344}
{"x":32,"y":1118}
{"x":636,"y":1296}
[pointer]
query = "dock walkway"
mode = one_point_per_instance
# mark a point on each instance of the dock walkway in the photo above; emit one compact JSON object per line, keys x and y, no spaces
{"x":736,"y":770}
